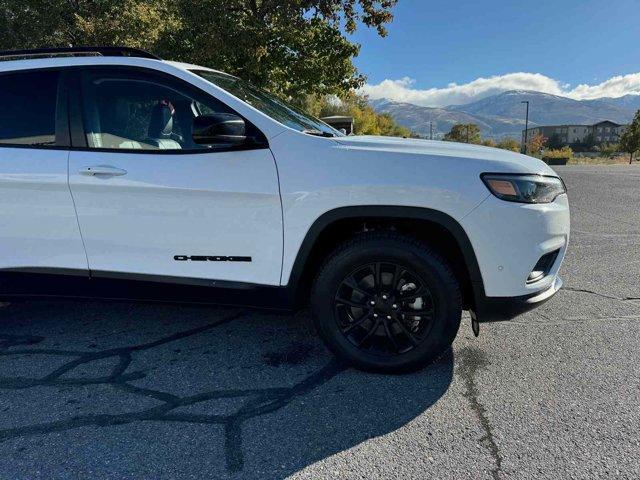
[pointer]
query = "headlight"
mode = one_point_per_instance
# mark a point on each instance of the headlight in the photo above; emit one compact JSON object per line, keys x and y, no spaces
{"x":524,"y":188}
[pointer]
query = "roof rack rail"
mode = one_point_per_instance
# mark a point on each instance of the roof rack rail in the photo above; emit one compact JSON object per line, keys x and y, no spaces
{"x":75,"y":51}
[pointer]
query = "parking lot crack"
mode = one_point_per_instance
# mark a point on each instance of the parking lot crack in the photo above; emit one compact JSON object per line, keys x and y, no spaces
{"x":257,"y":402}
{"x":78,"y":358}
{"x":599,"y":294}
{"x":471,"y":361}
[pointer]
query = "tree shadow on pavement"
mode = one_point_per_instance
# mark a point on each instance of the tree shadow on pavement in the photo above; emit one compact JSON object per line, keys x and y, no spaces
{"x":203,"y":391}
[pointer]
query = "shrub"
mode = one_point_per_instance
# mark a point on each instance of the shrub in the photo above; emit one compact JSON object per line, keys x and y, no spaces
{"x":564,"y":152}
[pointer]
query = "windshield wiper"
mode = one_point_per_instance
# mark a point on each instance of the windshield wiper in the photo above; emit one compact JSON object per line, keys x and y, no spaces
{"x":318,"y":133}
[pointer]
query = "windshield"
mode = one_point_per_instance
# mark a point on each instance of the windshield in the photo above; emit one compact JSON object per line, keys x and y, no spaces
{"x":269,"y":104}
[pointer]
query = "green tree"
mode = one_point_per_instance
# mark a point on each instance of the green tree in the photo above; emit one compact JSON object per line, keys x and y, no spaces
{"x":464,"y":132}
{"x":489,"y":142}
{"x":289,"y":47}
{"x":555,"y":142}
{"x":608,"y":149}
{"x":366,"y":121}
{"x":630,"y":139}
{"x":509,"y":144}
{"x":68,"y":23}
{"x":589,"y":142}
{"x":389,"y":128}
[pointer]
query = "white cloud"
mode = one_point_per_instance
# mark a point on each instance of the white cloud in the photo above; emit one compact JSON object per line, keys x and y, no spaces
{"x":402,"y":90}
{"x":614,"y":87}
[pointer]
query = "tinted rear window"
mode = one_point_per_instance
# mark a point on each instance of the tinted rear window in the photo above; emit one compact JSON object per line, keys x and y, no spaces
{"x":28,"y":108}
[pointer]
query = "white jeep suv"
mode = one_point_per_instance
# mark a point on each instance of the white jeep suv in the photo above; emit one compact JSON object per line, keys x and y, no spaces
{"x":123,"y":175}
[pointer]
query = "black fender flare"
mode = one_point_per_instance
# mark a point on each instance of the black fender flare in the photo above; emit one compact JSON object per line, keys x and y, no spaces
{"x":389,"y":211}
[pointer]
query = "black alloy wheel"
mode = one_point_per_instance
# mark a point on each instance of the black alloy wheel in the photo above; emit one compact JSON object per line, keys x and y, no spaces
{"x":386,"y":302}
{"x":384,"y":308}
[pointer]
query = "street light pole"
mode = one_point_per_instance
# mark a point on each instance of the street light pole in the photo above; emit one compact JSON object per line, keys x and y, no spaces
{"x":526,"y":126}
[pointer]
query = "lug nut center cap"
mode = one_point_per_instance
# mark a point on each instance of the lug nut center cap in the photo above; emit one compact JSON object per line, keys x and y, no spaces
{"x":384,"y":306}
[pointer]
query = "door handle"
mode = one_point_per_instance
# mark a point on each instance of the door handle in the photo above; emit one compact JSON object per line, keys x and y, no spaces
{"x":102,"y":170}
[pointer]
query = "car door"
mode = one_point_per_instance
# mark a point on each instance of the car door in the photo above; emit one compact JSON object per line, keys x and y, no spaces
{"x":154,"y":204}
{"x":38,"y":225}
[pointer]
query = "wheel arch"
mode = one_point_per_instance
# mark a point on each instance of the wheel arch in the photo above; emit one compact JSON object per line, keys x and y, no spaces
{"x":338,"y":224}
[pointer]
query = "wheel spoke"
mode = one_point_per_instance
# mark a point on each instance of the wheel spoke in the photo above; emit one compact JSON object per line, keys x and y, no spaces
{"x":390,"y":336}
{"x":353,"y":285}
{"x":406,"y":331}
{"x":350,"y":303}
{"x":397,"y":275}
{"x":373,"y":329}
{"x":377,"y":276}
{"x":357,"y":323}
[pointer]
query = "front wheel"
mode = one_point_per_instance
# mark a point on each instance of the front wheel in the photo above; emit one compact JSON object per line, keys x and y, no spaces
{"x":385,"y":302}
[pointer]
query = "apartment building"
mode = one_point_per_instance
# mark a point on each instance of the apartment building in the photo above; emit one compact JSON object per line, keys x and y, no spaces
{"x":603,"y":132}
{"x":607,"y":132}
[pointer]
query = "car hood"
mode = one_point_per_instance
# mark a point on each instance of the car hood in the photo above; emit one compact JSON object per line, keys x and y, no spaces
{"x":504,"y":160}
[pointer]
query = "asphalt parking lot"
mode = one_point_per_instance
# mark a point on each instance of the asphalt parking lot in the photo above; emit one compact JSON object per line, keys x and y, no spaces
{"x":126,"y":390}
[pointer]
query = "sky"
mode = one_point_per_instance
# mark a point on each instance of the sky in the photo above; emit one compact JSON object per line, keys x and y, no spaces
{"x":441,"y":53}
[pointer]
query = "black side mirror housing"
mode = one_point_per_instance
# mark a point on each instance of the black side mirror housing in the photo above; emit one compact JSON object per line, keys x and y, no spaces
{"x":225,"y":128}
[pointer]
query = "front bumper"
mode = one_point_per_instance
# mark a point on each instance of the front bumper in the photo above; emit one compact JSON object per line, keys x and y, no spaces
{"x":510,"y":238}
{"x":496,"y":309}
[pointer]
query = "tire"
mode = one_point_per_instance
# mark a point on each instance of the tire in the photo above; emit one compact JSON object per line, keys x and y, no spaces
{"x":386,"y":302}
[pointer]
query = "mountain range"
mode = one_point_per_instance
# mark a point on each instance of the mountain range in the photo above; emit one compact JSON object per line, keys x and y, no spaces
{"x":503,"y":115}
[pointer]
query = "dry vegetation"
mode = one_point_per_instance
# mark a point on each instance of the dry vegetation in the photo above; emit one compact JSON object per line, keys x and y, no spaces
{"x":617,"y":160}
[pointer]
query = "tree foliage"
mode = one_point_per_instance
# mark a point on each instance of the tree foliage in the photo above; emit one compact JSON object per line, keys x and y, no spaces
{"x":536,"y":143}
{"x":464,"y":132}
{"x":588,"y":143}
{"x":630,"y":138}
{"x":555,"y":142}
{"x":608,"y":149}
{"x":366,"y":121}
{"x":470,"y":133}
{"x":290,"y":47}
{"x":65,"y":23}
{"x":509,"y":143}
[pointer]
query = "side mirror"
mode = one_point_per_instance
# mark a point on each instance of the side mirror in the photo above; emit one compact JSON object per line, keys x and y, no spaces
{"x":218,"y":128}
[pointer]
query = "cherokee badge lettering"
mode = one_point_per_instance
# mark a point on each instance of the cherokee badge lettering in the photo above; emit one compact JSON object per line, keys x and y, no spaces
{"x":210,"y":258}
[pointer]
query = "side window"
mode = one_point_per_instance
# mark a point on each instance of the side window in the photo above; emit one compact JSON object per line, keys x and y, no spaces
{"x":28,"y":108}
{"x":125,"y":110}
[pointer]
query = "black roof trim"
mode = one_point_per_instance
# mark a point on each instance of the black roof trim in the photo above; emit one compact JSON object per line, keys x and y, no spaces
{"x":75,"y":51}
